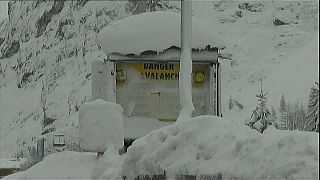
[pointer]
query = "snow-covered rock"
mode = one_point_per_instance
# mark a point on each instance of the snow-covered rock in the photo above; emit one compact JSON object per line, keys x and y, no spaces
{"x":101,"y":126}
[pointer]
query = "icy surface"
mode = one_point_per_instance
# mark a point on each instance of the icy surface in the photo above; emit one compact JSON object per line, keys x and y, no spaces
{"x":63,"y":165}
{"x":208,"y":145}
{"x":100,"y":126}
{"x":155,"y":31}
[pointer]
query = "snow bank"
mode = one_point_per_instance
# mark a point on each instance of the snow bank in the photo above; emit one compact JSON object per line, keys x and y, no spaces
{"x":153,"y":31}
{"x":63,"y":165}
{"x":108,"y":166}
{"x":100,"y":126}
{"x":12,"y":162}
{"x":207,"y":145}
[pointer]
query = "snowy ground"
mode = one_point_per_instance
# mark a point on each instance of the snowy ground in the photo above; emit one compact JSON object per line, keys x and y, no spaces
{"x":204,"y":145}
{"x":12,"y":162}
{"x":63,"y":165}
{"x":208,"y":145}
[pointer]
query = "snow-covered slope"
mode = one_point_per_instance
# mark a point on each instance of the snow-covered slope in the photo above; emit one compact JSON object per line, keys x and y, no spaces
{"x":47,"y":47}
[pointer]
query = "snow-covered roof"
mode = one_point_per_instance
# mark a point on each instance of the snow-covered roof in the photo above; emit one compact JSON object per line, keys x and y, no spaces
{"x":169,"y":55}
{"x":156,"y":31}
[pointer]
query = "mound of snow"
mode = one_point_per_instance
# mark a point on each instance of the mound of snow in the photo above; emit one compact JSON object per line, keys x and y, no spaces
{"x":208,"y":145}
{"x":12,"y":162}
{"x":155,"y":31}
{"x":63,"y":165}
{"x":100,"y":126}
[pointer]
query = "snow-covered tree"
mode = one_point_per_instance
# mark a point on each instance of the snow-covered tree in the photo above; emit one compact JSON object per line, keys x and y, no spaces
{"x":273,"y":112}
{"x":230,"y":103}
{"x":283,"y":106}
{"x":43,"y":103}
{"x":284,"y":114}
{"x":312,"y":118}
{"x":261,"y":117}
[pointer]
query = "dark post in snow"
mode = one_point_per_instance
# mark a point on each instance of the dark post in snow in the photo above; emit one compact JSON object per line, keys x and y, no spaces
{"x":185,"y":87}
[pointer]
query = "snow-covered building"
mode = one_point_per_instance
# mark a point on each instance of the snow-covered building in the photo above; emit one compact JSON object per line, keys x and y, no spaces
{"x":141,"y":67}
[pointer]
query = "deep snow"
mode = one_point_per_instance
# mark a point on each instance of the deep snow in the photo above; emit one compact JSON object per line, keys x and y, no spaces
{"x":208,"y":145}
{"x":100,"y":126}
{"x":204,"y":145}
{"x":155,"y":31}
{"x":63,"y":165}
{"x":12,"y":162}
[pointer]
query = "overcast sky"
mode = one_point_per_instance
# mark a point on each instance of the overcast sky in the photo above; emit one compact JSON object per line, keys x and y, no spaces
{"x":3,"y":10}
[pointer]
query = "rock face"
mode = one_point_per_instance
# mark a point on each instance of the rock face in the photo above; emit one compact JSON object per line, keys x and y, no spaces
{"x":10,"y":50}
{"x":251,"y":6}
{"x":45,"y":19}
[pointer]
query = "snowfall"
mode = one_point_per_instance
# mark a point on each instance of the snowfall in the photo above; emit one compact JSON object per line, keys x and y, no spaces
{"x":204,"y":145}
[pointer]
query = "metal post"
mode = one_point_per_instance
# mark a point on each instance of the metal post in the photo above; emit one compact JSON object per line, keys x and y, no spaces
{"x":185,"y":87}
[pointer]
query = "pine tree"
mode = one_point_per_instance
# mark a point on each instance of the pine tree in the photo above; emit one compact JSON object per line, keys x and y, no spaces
{"x":284,"y":114}
{"x":312,"y":118}
{"x":273,"y":112}
{"x":274,"y":117}
{"x":283,"y":106}
{"x":230,"y":103}
{"x":261,"y":114}
{"x":44,"y":104}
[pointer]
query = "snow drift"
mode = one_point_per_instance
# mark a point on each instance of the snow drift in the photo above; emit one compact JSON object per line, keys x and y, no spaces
{"x":209,"y":145}
{"x":63,"y":165}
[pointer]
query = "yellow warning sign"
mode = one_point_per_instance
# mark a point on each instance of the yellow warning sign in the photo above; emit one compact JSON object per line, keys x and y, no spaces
{"x":157,"y":71}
